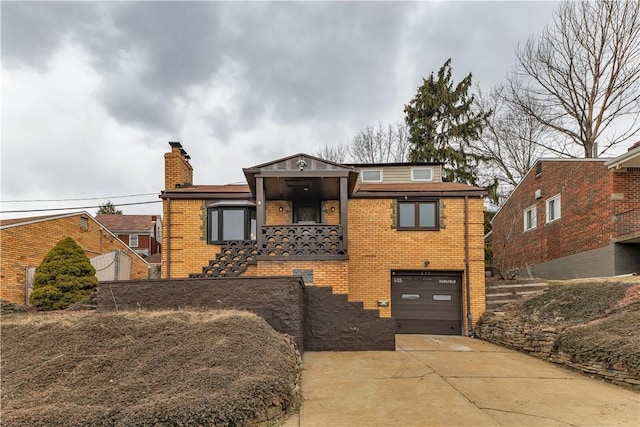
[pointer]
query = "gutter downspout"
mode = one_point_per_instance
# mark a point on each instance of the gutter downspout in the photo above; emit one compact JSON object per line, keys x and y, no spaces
{"x":466,"y":266}
{"x":168,"y":235}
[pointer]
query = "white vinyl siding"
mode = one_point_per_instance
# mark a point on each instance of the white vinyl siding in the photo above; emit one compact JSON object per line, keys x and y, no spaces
{"x":402,"y":174}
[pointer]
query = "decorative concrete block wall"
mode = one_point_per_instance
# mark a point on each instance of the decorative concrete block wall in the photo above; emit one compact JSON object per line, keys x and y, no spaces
{"x":316,"y":318}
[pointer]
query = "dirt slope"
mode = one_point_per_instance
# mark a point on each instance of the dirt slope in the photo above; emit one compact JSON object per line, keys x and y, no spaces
{"x":141,"y":369}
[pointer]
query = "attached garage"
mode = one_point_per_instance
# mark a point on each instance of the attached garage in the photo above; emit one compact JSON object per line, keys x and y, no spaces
{"x":427,"y":301}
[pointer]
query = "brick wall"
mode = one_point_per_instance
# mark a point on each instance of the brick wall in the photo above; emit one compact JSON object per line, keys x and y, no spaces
{"x":26,"y":246}
{"x":586,"y":211}
{"x":277,"y":217}
{"x":186,"y":224}
{"x":177,"y":170}
{"x":376,"y":248}
{"x":333,"y":273}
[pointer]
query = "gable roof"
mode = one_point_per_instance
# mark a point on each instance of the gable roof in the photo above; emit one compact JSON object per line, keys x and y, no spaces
{"x":301,"y":166}
{"x":15,"y":222}
{"x":310,"y":161}
{"x":127,"y":222}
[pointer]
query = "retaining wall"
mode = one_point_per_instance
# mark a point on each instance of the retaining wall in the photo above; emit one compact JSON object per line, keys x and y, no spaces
{"x":537,"y":340}
{"x":316,"y":318}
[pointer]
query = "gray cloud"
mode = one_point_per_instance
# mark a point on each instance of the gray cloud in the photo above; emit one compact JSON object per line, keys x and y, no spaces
{"x":301,"y":61}
{"x":240,"y":83}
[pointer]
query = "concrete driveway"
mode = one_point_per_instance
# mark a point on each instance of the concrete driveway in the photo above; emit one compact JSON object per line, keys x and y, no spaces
{"x":454,"y":381}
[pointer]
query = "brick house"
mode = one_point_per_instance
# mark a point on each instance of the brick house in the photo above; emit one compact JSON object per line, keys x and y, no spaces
{"x":26,"y":241}
{"x":571,"y":218}
{"x":391,"y":236}
{"x":142,"y":233}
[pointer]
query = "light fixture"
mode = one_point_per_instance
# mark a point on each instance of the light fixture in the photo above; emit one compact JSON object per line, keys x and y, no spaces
{"x":426,"y":263}
{"x":281,"y":209}
{"x":333,"y":208}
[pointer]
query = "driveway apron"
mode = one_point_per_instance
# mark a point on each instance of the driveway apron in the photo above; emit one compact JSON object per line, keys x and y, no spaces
{"x":433,"y":380}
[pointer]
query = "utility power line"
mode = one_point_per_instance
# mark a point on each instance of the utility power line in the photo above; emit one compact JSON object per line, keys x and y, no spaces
{"x":78,"y":207}
{"x":76,"y":200}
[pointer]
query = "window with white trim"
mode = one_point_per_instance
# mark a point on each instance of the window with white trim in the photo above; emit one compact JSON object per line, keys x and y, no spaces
{"x":553,"y":208}
{"x":133,"y":240}
{"x":530,"y":218}
{"x":421,"y":174}
{"x":372,"y":175}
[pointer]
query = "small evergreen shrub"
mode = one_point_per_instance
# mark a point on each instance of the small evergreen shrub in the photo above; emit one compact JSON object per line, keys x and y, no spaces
{"x":64,"y":277}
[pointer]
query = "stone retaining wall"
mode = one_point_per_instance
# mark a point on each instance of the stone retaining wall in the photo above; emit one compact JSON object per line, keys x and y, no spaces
{"x":537,"y":340}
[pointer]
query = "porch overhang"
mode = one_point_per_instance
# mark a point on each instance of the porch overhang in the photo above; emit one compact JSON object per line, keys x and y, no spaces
{"x":301,"y":185}
{"x":630,"y":159}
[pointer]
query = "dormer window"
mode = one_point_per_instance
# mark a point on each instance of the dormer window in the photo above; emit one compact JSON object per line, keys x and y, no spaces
{"x":371,"y":175}
{"x":421,"y":174}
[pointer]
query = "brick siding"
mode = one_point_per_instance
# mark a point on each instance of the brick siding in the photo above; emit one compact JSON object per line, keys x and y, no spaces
{"x":375,"y":248}
{"x":591,"y":196}
{"x":26,"y":246}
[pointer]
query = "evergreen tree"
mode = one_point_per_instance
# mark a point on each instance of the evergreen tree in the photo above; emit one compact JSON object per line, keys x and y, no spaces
{"x":64,"y":277}
{"x":443,"y":124}
{"x":109,"y":209}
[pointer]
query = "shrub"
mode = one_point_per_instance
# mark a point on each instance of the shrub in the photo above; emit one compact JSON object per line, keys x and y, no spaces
{"x":64,"y":277}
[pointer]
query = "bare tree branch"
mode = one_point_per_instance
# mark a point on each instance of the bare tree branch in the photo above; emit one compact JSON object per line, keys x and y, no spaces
{"x":580,"y":78}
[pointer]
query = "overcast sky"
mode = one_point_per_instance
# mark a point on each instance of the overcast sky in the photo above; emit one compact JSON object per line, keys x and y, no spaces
{"x":92,"y":92}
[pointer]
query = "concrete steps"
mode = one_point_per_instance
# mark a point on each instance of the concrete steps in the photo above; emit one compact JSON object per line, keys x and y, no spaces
{"x":500,"y":293}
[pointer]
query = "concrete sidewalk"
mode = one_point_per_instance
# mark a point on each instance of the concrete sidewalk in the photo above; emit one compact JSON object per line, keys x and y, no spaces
{"x":454,"y":381}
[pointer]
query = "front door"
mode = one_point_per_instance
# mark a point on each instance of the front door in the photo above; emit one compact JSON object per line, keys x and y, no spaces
{"x":306,"y":212}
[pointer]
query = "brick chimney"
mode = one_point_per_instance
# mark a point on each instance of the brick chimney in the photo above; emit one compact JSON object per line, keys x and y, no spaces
{"x":177,"y":170}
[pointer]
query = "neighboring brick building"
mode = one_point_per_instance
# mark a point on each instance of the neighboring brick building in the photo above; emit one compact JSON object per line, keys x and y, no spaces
{"x":392,"y":236}
{"x":142,"y":233}
{"x":26,"y":241}
{"x":571,"y":218}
